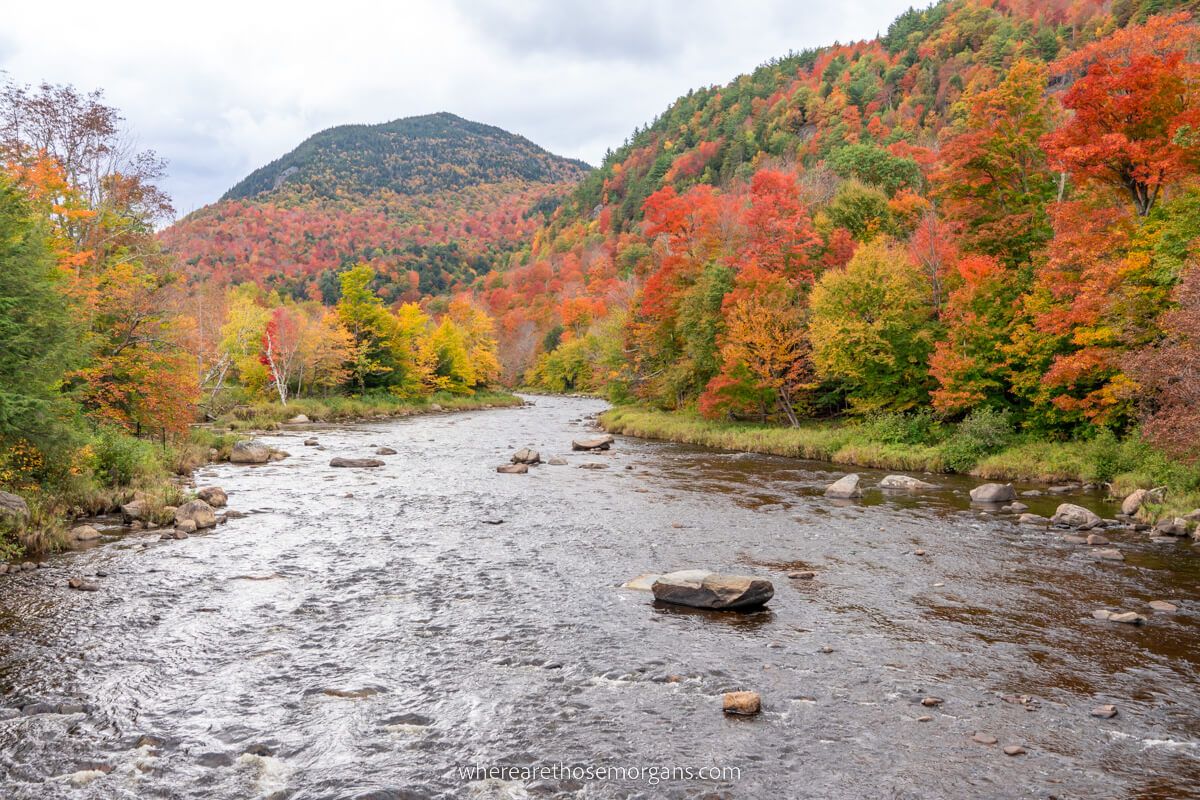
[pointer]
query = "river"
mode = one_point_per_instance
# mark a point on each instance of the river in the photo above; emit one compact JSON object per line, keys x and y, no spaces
{"x":378,"y":633}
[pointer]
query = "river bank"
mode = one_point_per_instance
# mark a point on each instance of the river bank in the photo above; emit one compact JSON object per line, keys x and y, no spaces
{"x":981,"y":450}
{"x":158,"y":473}
{"x":430,"y":617}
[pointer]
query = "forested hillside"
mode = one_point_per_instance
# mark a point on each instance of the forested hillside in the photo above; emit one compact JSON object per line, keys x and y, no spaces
{"x":430,"y":203}
{"x":992,"y":206}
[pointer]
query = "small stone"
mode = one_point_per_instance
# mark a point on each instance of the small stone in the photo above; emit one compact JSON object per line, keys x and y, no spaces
{"x":311,"y":442}
{"x":1105,"y":711}
{"x":355,"y":463}
{"x":1101,"y":614}
{"x":925,"y":718}
{"x":1032,"y":519}
{"x":918,"y":552}
{"x":557,"y":461}
{"x":84,"y":533}
{"x":1071,"y":538}
{"x":826,"y":650}
{"x":802,"y":576}
{"x":179,"y":533}
{"x":1127,"y":617}
{"x":1014,"y":750}
{"x":984,"y":738}
{"x":1164,"y":606}
{"x":1110,"y":554}
{"x":1096,"y":539}
{"x":385,"y":451}
{"x":931,"y":702}
{"x":745,"y":704}
{"x":593,"y":465}
{"x":81,"y":585}
{"x":512,"y":469}
{"x":844,"y":488}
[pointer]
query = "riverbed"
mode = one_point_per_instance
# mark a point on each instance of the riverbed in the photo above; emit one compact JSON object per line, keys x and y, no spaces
{"x":379,"y":633}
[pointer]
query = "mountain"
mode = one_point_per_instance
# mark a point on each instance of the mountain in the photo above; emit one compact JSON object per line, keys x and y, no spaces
{"x":414,"y":155}
{"x":430,"y":202}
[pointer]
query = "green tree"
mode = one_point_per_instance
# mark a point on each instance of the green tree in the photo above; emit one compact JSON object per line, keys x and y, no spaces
{"x":38,"y":341}
{"x":872,"y":330}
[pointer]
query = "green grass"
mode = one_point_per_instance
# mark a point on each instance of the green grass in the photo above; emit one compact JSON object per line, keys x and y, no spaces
{"x":269,"y":416}
{"x":983,"y":445}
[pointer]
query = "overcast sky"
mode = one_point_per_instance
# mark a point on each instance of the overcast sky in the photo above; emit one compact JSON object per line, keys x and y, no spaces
{"x":220,"y":88}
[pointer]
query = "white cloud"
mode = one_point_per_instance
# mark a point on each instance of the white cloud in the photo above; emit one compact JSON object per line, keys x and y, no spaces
{"x":223,"y":87}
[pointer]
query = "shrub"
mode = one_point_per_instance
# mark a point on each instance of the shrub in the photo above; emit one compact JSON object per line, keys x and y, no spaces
{"x":985,"y":431}
{"x":122,"y":460}
{"x":920,"y":427}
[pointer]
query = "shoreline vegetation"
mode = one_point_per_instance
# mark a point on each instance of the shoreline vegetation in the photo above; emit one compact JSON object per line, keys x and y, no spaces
{"x":983,"y":445}
{"x":156,"y":473}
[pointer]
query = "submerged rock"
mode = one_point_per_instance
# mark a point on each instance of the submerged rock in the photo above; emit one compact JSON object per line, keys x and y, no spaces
{"x":81,"y":585}
{"x":213,"y":495}
{"x":844,"y":488}
{"x":557,"y":461}
{"x":594,"y":443}
{"x":1074,"y":516}
{"x":1109,"y":554}
{"x":312,"y":442}
{"x":385,"y":451}
{"x":1032,"y":519}
{"x":745,"y":704}
{"x":1164,"y":606}
{"x":1107,"y":711}
{"x":905,"y":482}
{"x":512,"y":469}
{"x":527,"y":455}
{"x":993,"y":493}
{"x":251,"y":452}
{"x":593,"y":465}
{"x":355,"y":463}
{"x":703,"y":589}
{"x":1171,"y":526}
{"x":642,"y":583}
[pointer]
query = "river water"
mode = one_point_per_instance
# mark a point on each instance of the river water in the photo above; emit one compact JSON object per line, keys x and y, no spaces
{"x":378,"y":633}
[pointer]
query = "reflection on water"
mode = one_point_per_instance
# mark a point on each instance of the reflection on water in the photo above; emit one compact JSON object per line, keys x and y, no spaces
{"x":364,"y":633}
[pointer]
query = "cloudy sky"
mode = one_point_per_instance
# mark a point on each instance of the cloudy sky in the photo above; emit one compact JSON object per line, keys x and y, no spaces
{"x":220,"y":88}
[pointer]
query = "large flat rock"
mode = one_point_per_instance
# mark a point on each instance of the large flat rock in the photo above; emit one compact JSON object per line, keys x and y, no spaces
{"x":703,"y":589}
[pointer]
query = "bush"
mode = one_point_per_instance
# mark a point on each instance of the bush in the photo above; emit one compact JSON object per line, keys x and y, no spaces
{"x":123,"y":460}
{"x":985,"y":431}
{"x":920,"y":427}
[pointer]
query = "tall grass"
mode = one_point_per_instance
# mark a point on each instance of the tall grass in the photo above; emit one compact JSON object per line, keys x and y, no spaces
{"x":337,"y":408}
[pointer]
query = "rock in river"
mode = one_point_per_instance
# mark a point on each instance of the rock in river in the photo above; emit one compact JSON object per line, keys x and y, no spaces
{"x":84,"y":533}
{"x":198,"y":512}
{"x":1107,"y":711}
{"x":299,"y":419}
{"x":702,"y":589}
{"x":81,"y":585}
{"x":213,"y":495}
{"x":594,"y":443}
{"x":1133,"y":502}
{"x":844,"y":488}
{"x":1032,"y":519}
{"x":357,"y":463}
{"x":745,"y":704}
{"x":251,"y":452}
{"x":993,"y":493}
{"x":385,"y":451}
{"x":512,"y":469}
{"x":1074,"y":516}
{"x":527,"y":455}
{"x":906,"y":482}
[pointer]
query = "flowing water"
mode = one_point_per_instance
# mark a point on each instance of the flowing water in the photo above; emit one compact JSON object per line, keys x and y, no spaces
{"x":378,"y":633}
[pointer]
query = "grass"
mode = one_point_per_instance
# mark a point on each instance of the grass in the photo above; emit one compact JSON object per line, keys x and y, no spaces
{"x":983,"y":445}
{"x":265,"y":416}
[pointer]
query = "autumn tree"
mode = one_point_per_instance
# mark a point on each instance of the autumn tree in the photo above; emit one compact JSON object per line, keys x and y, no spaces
{"x":994,"y":183}
{"x":871,"y":329}
{"x":1135,"y":118}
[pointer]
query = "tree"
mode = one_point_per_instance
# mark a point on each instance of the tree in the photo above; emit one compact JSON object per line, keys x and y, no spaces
{"x":1169,"y":373}
{"x":994,"y":183}
{"x":871,"y":329}
{"x":1136,"y":119}
{"x":282,"y":342}
{"x":371,"y":329}
{"x":38,"y":340}
{"x":764,"y":341}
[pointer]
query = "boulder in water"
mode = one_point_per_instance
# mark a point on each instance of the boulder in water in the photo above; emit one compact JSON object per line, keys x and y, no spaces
{"x":905,"y":483}
{"x":84,"y":533}
{"x":250,"y":452}
{"x":79,"y":584}
{"x":1074,"y":516}
{"x":744,"y":704}
{"x":197,"y":511}
{"x":312,"y":442}
{"x":704,"y":589}
{"x":385,"y":451}
{"x":594,"y":443}
{"x":512,"y":469}
{"x":299,"y":419}
{"x":355,"y":463}
{"x":1032,"y":519}
{"x":993,"y":493}
{"x":133,"y":511}
{"x":557,"y":461}
{"x":844,"y":488}
{"x":1133,"y":501}
{"x":213,"y":495}
{"x":527,"y":455}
